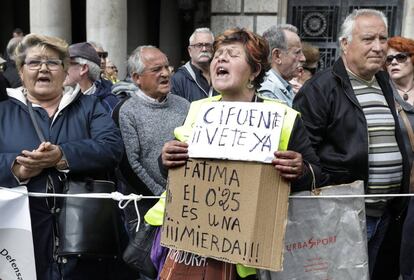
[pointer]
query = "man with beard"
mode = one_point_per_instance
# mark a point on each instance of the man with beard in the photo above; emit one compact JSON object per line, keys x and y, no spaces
{"x":192,"y":80}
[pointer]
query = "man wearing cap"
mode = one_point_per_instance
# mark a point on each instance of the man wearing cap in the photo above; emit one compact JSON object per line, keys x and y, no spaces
{"x":84,"y":71}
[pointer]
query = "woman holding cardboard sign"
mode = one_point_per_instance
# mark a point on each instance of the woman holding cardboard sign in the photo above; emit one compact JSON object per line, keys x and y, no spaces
{"x":237,"y":69}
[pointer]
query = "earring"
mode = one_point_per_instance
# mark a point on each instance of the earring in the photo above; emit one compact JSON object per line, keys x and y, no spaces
{"x":250,"y":85}
{"x":278,"y":61}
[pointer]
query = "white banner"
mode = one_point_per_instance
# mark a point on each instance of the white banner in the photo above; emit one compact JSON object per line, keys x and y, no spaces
{"x":237,"y":131}
{"x":16,"y":241}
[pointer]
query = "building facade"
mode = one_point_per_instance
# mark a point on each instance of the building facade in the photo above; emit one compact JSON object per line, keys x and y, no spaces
{"x":122,"y":25}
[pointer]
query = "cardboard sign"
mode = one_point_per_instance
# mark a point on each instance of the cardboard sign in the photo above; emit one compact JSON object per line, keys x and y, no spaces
{"x":228,"y":210}
{"x":16,"y":241}
{"x":237,"y":131}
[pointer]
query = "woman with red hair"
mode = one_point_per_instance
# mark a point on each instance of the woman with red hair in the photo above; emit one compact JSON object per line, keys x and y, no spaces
{"x":239,"y":64}
{"x":400,"y":66}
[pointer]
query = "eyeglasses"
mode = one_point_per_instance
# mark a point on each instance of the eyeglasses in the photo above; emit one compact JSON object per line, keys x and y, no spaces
{"x":400,"y":57}
{"x":199,"y":46}
{"x":232,"y":52}
{"x":103,"y":54}
{"x":51,"y":64}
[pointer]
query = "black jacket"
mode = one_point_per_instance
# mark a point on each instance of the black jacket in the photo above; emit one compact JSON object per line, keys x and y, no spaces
{"x":3,"y":86}
{"x":337,"y":126}
{"x":11,"y":75}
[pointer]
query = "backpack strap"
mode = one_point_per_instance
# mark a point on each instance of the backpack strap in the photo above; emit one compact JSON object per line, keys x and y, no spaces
{"x":117,"y":108}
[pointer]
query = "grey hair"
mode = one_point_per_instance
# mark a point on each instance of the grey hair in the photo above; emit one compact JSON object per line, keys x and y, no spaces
{"x":95,"y":45}
{"x":200,"y":30}
{"x":11,"y":46}
{"x":135,"y":61}
{"x":94,"y":72}
{"x":276,"y":38}
{"x":349,"y":22}
{"x":45,"y":42}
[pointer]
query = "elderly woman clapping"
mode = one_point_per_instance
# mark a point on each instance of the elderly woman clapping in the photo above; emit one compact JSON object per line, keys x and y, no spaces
{"x":81,"y":140}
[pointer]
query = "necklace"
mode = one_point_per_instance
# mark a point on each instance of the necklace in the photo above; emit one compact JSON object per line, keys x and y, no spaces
{"x":405,"y":94}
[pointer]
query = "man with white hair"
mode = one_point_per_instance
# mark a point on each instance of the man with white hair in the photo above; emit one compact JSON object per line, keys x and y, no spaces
{"x":84,"y":71}
{"x":192,"y":80}
{"x":286,"y":58}
{"x":147,"y":120}
{"x":349,"y":112}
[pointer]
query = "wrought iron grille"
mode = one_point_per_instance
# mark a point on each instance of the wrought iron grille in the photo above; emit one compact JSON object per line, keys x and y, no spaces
{"x":319,"y":21}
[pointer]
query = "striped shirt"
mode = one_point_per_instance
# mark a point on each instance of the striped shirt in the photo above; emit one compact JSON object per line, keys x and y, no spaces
{"x":384,"y":157}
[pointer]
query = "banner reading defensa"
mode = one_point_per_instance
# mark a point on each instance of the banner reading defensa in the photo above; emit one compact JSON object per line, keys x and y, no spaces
{"x":16,"y":241}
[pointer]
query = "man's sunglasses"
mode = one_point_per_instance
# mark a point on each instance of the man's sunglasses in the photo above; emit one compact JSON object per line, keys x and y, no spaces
{"x":103,"y":54}
{"x":400,"y":57}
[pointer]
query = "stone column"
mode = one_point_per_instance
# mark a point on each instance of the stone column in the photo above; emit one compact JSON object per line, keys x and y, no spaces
{"x":106,"y":23}
{"x":51,"y":17}
{"x":408,"y":20}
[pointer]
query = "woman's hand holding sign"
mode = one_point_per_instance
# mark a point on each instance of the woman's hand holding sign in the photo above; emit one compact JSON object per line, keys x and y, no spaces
{"x":289,"y":164}
{"x":174,"y":153}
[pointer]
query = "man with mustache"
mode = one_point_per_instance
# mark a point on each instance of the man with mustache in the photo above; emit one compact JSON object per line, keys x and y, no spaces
{"x":286,"y":58}
{"x":192,"y":80}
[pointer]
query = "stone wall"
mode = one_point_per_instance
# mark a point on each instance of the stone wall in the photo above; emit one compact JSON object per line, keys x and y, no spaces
{"x":255,"y":15}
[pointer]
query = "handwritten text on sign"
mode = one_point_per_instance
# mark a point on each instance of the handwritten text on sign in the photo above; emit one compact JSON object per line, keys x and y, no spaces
{"x":220,"y":209}
{"x":212,"y":211}
{"x":237,"y":131}
{"x":216,"y":208}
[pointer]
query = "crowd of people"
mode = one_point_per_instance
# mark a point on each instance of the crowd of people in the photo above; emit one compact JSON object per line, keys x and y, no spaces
{"x":351,"y":121}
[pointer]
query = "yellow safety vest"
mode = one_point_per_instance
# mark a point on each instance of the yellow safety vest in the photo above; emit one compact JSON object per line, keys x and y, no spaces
{"x":155,"y":215}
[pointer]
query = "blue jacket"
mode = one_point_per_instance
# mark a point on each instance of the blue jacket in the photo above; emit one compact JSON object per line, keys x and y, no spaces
{"x":104,"y":93}
{"x":91,"y":144}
